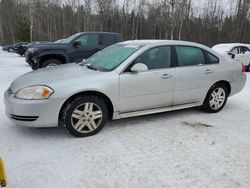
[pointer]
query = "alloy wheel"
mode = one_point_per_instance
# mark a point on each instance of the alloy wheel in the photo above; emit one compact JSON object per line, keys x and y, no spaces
{"x":217,"y":98}
{"x":86,"y":117}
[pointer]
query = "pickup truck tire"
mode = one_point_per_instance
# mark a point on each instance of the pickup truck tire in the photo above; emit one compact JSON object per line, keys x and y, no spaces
{"x":11,"y":50}
{"x":50,"y":63}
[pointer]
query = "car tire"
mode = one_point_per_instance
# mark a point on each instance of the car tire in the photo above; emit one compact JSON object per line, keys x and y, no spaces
{"x":11,"y":50}
{"x":33,"y":66}
{"x":85,"y":116}
{"x":216,"y":98}
{"x":50,"y":63}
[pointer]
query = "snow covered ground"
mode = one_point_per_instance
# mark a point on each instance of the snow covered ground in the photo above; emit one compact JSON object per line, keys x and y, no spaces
{"x":186,"y":148}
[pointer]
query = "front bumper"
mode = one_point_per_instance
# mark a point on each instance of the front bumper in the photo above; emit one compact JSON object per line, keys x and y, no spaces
{"x":32,"y":60}
{"x":32,"y":113}
{"x":28,"y":57}
{"x":4,"y":49}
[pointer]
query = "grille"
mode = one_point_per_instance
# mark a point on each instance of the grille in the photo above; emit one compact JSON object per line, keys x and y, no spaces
{"x":24,"y":118}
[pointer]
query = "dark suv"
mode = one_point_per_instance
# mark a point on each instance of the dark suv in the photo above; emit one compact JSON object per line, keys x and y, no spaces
{"x":73,"y":49}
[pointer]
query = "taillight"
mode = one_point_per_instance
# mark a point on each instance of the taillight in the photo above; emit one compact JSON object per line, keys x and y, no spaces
{"x":243,"y":68}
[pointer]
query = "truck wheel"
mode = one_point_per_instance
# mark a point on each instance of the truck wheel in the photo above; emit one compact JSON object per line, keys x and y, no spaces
{"x":33,"y":66}
{"x":51,"y":63}
{"x":11,"y":50}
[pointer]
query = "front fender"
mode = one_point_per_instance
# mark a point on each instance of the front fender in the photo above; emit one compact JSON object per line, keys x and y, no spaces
{"x":44,"y":53}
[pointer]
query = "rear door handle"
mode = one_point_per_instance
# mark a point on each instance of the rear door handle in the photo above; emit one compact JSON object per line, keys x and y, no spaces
{"x":208,"y":71}
{"x":166,"y":76}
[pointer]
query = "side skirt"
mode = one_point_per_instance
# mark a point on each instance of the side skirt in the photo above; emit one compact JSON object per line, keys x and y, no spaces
{"x":154,"y":111}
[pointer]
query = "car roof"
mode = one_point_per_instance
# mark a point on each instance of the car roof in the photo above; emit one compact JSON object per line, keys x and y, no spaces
{"x":231,"y":45}
{"x":164,"y":42}
{"x":96,"y":32}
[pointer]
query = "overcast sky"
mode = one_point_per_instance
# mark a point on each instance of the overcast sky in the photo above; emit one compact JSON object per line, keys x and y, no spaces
{"x":228,"y":6}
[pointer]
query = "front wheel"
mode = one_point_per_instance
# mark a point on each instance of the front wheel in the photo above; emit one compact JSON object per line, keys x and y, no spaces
{"x":215,"y":99}
{"x":85,"y":116}
{"x":11,"y":50}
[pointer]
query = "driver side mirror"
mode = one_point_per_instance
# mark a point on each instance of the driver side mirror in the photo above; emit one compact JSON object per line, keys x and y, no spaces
{"x":76,"y":43}
{"x":139,"y":67}
{"x":231,"y":54}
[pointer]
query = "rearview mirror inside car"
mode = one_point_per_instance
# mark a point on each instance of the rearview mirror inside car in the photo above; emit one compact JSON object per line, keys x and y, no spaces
{"x":139,"y":67}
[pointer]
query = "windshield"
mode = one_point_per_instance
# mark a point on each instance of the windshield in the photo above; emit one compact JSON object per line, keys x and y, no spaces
{"x":68,"y":40}
{"x":111,"y":57}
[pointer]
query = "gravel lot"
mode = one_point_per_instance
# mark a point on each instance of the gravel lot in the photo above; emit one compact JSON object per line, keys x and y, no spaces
{"x":186,"y":148}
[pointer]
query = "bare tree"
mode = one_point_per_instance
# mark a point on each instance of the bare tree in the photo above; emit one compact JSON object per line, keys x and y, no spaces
{"x":136,"y":19}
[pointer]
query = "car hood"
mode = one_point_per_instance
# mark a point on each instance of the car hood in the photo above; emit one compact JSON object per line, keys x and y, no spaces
{"x":49,"y":75}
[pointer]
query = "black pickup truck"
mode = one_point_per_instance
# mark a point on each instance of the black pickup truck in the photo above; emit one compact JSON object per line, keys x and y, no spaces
{"x":73,"y":49}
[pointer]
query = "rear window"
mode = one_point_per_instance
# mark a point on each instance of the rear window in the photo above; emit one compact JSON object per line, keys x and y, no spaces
{"x":188,"y":56}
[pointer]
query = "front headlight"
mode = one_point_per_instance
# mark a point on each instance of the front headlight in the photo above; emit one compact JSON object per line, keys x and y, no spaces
{"x":34,"y":93}
{"x":32,"y":50}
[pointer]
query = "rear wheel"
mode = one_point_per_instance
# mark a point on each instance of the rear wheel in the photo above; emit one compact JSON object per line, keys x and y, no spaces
{"x":216,"y":98}
{"x":85,"y":116}
{"x":50,"y":63}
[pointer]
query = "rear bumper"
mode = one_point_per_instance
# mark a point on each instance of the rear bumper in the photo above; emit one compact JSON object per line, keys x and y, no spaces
{"x":32,"y":113}
{"x":238,"y":85}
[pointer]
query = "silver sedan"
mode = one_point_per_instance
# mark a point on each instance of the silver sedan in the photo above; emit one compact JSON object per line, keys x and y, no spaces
{"x":127,"y":79}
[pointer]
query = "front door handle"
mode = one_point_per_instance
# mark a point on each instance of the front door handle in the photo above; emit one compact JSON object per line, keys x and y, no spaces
{"x":166,"y":76}
{"x":208,"y":71}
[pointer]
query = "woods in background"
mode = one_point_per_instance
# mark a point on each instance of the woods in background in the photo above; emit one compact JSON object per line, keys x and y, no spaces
{"x":49,"y":20}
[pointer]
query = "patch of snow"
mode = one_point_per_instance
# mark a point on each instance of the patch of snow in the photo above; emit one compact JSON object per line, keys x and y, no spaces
{"x":186,"y":148}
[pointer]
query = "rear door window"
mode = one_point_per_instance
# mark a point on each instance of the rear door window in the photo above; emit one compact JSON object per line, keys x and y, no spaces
{"x":188,"y":56}
{"x":88,"y":40}
{"x":108,"y":40}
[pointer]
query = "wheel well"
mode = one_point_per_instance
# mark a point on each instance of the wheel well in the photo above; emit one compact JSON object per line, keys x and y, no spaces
{"x":60,"y":58}
{"x":88,"y":93}
{"x":227,"y":84}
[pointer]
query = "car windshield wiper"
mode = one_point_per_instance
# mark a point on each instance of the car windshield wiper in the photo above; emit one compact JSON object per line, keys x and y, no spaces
{"x":89,"y":66}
